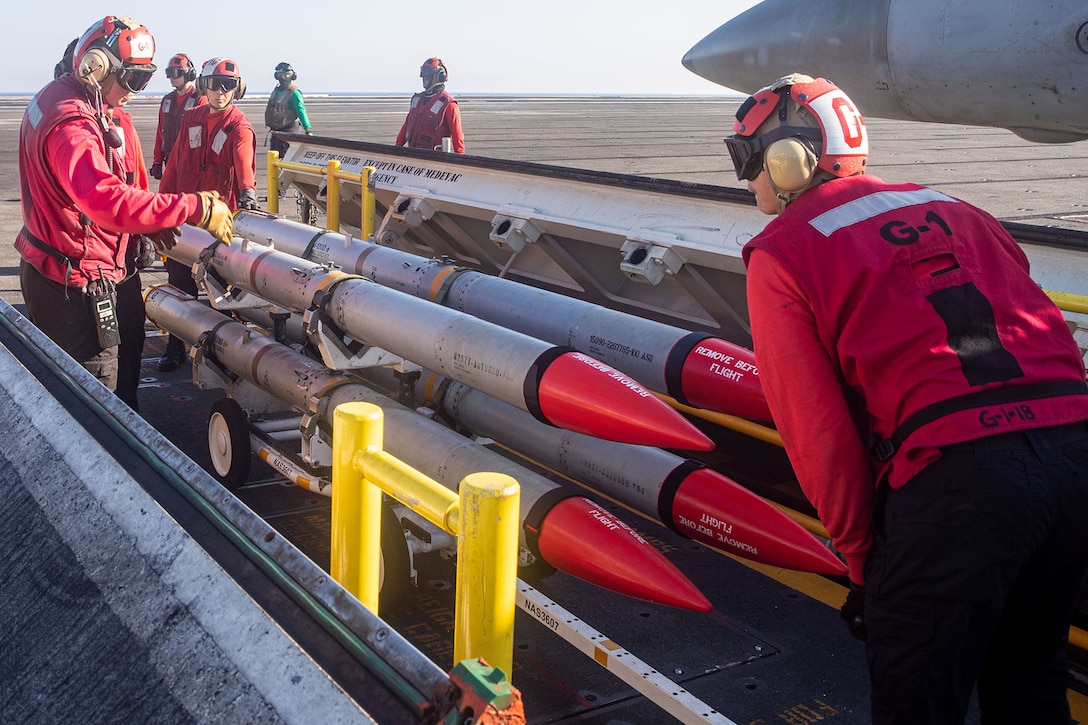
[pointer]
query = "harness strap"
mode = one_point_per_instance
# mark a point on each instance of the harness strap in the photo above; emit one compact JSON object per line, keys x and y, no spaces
{"x":883,"y":449}
{"x":68,"y":262}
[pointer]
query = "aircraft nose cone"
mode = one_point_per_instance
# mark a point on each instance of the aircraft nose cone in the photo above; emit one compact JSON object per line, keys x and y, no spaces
{"x":689,"y":60}
{"x":828,"y":38}
{"x":736,"y":54}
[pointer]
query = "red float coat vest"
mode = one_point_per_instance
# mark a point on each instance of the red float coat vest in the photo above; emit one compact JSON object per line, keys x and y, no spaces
{"x":74,"y":191}
{"x":133,"y":157}
{"x":214,"y":152}
{"x":871,"y":302}
{"x":430,"y":119}
{"x":173,"y":107}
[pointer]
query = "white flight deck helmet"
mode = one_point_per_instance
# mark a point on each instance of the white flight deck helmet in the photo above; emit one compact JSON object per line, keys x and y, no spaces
{"x":803,"y":131}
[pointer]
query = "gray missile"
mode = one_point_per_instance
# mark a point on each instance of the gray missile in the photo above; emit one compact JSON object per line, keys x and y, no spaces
{"x":684,"y":495}
{"x":559,"y":387}
{"x":696,"y":368}
{"x":567,"y":531}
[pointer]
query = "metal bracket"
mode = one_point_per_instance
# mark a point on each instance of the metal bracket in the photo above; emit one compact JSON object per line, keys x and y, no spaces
{"x":648,"y":259}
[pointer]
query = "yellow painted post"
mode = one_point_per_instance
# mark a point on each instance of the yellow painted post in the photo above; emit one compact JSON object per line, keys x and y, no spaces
{"x":356,"y":503}
{"x":424,"y":495}
{"x":1068,"y":301}
{"x":332,"y":195}
{"x":273,"y":182}
{"x":366,"y":180}
{"x":487,"y":562}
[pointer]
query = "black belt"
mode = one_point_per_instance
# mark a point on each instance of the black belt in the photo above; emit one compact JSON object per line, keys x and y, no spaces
{"x":883,"y":450}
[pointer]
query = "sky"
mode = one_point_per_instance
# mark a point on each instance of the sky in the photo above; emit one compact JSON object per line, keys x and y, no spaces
{"x":489,"y":46}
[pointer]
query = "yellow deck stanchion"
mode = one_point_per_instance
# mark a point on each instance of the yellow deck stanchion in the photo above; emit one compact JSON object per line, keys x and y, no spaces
{"x":366,"y":180}
{"x":273,"y":203}
{"x":487,"y":563}
{"x":332,"y":195}
{"x":1068,"y":301}
{"x":484,"y":517}
{"x":356,"y":504}
{"x":333,"y":176}
{"x":427,"y":497}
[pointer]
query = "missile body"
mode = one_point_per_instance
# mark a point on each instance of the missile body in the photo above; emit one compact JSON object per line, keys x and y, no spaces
{"x":694,"y":367}
{"x":567,"y":531}
{"x":918,"y":60}
{"x":559,"y":387}
{"x":689,"y":498}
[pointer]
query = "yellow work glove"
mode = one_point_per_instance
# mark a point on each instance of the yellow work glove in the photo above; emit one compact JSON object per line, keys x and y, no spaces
{"x":216,"y":216}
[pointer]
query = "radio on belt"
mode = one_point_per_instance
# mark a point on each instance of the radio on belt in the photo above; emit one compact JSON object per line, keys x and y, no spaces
{"x":103,"y":297}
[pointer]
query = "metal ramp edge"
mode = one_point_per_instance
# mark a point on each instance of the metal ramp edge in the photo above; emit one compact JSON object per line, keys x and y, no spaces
{"x":124,"y":596}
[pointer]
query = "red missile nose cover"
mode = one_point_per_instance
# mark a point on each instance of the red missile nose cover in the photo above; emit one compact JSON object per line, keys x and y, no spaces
{"x":721,"y":513}
{"x":620,"y":559}
{"x":584,"y":395}
{"x":718,"y":375}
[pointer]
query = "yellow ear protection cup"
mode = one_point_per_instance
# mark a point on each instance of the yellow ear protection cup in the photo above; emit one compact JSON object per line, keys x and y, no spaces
{"x":95,"y":65}
{"x":790,"y":163}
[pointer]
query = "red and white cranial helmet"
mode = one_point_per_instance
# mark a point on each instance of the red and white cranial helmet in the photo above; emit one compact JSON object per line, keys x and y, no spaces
{"x":117,"y":46}
{"x":803,"y":107}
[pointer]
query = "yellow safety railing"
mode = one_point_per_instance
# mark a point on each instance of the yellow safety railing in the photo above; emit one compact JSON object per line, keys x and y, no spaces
{"x":333,"y":176}
{"x":484,"y":517}
{"x":1068,"y":301}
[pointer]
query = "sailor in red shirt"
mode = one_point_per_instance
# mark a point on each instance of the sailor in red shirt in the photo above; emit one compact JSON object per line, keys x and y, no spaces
{"x":79,"y":212}
{"x":932,"y":402}
{"x":433,"y":114}
{"x":141,"y":253}
{"x":216,"y":147}
{"x":215,"y":150}
{"x":182,"y":74}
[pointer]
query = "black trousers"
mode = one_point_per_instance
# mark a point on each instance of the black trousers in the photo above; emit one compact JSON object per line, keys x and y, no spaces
{"x":275,"y":144}
{"x":977,"y":568}
{"x":130,"y":320}
{"x":64,"y":315}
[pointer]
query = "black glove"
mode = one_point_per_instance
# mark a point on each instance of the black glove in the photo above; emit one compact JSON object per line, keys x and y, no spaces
{"x":141,"y":252}
{"x":156,"y":169}
{"x":248,"y":200}
{"x":853,"y":612}
{"x":165,"y":238}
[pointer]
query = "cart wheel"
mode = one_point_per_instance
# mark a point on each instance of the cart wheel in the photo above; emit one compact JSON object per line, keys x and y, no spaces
{"x":228,"y":442}
{"x":396,"y":573}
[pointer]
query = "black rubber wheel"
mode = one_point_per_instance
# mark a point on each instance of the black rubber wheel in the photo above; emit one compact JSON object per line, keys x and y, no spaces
{"x":228,"y":442}
{"x":396,"y":573}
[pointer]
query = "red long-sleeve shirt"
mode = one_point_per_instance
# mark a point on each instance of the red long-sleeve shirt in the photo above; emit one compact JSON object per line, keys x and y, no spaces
{"x":870,"y":302}
{"x":213,"y":152}
{"x":74,"y":195}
